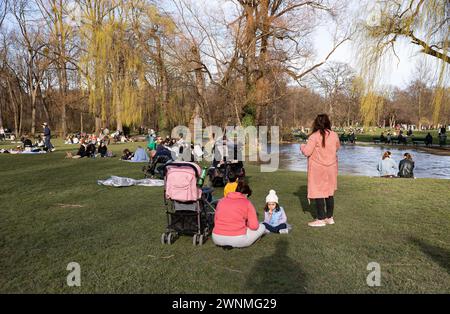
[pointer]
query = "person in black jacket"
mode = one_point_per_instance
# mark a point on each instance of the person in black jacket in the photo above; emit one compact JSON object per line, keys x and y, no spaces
{"x":80,"y":153}
{"x":406,"y":167}
{"x":102,"y":149}
{"x":47,"y":135}
{"x":428,"y":139}
{"x":90,"y":150}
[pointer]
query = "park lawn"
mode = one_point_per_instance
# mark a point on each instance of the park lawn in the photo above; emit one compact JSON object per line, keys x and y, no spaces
{"x":114,"y":234}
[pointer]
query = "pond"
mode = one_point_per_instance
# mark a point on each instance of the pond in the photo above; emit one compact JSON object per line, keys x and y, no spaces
{"x":363,"y":160}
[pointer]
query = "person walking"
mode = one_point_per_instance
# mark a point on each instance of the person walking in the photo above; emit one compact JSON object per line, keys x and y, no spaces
{"x":47,"y":135}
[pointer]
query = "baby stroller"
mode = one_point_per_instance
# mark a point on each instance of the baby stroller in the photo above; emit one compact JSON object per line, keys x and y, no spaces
{"x":188,"y":207}
{"x":229,"y":163}
{"x":218,"y":174}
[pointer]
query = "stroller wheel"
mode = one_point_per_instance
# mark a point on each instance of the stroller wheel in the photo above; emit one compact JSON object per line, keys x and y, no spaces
{"x":201,"y":239}
{"x":170,"y":238}
{"x":163,"y":238}
{"x":194,"y":239}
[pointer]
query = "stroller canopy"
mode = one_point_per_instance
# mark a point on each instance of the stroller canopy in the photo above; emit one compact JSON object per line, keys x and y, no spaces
{"x":181,"y":181}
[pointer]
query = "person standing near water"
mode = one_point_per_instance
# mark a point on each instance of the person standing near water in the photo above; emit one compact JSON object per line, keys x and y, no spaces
{"x":321,"y":150}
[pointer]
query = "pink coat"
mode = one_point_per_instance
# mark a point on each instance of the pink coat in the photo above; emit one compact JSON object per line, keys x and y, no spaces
{"x":322,"y":164}
{"x":234,"y":214}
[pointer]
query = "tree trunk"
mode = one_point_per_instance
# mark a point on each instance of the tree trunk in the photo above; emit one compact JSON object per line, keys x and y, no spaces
{"x":33,"y":113}
{"x":98,"y":123}
{"x":81,"y":121}
{"x":14,"y":106}
{"x":119,"y":116}
{"x":1,"y":112}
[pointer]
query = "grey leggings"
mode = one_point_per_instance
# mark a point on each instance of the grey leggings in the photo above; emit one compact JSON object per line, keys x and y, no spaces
{"x":241,"y":240}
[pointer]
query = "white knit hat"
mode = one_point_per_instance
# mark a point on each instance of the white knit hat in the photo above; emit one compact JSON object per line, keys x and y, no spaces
{"x":272,"y":197}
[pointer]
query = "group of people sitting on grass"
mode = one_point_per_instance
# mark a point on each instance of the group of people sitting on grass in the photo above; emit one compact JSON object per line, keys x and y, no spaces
{"x":236,"y":221}
{"x":165,"y":150}
{"x":102,"y":136}
{"x":91,"y":149}
{"x":387,"y":167}
{"x":27,"y":146}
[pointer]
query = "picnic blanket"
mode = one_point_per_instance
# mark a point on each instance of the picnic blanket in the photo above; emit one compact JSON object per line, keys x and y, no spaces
{"x":123,"y":181}
{"x":16,"y":152}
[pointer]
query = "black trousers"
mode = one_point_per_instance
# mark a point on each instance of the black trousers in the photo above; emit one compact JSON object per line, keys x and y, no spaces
{"x":320,"y":204}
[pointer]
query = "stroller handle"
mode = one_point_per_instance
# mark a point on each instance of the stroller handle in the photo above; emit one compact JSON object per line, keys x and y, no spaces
{"x":179,"y":164}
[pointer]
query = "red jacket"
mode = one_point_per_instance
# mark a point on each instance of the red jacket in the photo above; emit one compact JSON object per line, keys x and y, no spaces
{"x":234,"y":214}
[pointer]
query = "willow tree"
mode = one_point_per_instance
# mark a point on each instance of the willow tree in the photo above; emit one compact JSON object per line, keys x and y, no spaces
{"x":425,"y":24}
{"x":111,"y":65}
{"x":153,"y":30}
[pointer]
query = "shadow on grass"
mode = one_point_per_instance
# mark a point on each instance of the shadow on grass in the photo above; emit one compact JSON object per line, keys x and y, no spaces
{"x":302,"y":193}
{"x":437,"y":254}
{"x":277,"y":273}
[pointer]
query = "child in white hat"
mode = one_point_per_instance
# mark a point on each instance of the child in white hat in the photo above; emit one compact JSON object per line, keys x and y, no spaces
{"x":275,"y":218}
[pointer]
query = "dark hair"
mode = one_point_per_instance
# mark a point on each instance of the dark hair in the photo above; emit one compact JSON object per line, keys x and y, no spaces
{"x":386,"y":155}
{"x":232,"y":177}
{"x":277,"y":207}
{"x":323,"y":124}
{"x":407,"y":155}
{"x":243,"y":188}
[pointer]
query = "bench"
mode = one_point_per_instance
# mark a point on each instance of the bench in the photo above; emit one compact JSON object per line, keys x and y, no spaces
{"x":417,"y":141}
{"x":7,"y":136}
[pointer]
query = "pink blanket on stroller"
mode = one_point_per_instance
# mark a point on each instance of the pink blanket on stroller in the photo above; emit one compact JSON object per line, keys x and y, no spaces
{"x":181,"y":182}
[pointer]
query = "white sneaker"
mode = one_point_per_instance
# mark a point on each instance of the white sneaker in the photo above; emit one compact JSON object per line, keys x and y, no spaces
{"x":53,"y":149}
{"x":317,"y":223}
{"x":284,"y":231}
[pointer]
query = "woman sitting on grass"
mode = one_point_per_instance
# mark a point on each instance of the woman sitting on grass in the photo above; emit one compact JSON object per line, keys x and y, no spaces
{"x":406,"y":167}
{"x":80,"y":153}
{"x":387,"y":167}
{"x":126,"y":154}
{"x":102,"y":149}
{"x":235,"y":221}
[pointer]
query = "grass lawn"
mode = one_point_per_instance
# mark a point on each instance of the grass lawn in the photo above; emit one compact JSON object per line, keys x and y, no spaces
{"x":114,"y":234}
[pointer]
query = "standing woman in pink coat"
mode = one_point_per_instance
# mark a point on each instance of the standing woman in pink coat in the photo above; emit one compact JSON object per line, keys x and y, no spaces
{"x":321,"y":150}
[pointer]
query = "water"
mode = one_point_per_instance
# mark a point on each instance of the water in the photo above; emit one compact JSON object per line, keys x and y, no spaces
{"x":363,"y":160}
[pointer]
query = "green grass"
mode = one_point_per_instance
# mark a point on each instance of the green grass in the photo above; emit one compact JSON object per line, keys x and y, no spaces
{"x":115,"y":235}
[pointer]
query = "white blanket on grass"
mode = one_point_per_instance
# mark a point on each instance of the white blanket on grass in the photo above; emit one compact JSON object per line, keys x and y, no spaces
{"x":123,"y":181}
